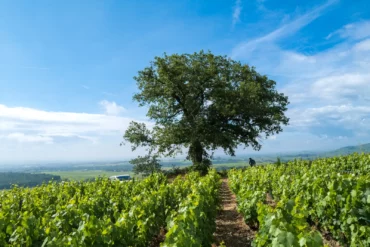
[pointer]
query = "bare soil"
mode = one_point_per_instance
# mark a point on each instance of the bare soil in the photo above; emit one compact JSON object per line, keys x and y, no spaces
{"x":327,"y":237}
{"x":231,"y":228}
{"x":269,"y":200}
{"x":157,"y":240}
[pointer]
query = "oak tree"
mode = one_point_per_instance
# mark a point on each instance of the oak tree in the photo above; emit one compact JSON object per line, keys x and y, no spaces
{"x":201,"y":102}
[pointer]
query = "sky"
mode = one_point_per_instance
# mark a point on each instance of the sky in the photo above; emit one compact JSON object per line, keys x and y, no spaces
{"x":67,"y":68}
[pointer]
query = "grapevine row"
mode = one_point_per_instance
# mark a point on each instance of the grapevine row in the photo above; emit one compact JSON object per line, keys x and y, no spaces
{"x":104,"y":212}
{"x":331,"y":195}
{"x":194,"y":222}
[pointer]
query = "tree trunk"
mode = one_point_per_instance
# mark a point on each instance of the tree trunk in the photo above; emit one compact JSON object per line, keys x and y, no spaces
{"x":199,"y":157}
{"x":196,"y":153}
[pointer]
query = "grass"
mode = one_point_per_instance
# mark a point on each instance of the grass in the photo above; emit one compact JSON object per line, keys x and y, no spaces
{"x":83,"y":174}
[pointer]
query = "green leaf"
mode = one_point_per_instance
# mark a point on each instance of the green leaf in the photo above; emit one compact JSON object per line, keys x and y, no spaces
{"x":302,"y":241}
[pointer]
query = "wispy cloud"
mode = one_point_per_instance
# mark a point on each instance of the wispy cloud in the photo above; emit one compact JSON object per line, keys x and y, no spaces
{"x":236,"y":12}
{"x":355,"y":31}
{"x":329,"y":90}
{"x":287,"y":29}
{"x":23,"y":138}
{"x":85,"y":87}
{"x":61,"y":136}
{"x":29,"y":124}
{"x":347,"y":116}
{"x":111,"y":108}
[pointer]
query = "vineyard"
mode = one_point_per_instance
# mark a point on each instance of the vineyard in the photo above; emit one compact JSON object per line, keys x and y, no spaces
{"x":109,"y":213}
{"x":300,"y":203}
{"x":306,"y":201}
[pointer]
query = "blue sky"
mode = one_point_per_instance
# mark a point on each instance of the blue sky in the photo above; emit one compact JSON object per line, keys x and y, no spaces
{"x":67,"y":68}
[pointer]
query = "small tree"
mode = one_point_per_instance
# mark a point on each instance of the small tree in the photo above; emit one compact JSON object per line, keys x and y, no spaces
{"x":147,"y":164}
{"x":202,"y":102}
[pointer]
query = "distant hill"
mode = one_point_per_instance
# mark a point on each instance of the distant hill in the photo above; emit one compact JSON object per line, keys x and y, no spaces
{"x":311,"y":155}
{"x":364,"y":148}
{"x":7,"y":179}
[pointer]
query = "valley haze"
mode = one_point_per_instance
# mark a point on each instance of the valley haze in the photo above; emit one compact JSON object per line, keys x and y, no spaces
{"x":180,"y":161}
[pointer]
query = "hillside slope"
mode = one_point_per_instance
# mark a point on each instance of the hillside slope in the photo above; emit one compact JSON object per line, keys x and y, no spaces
{"x":364,"y":148}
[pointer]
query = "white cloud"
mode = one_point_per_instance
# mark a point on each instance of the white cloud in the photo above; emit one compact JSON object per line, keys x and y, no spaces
{"x":329,"y":91}
{"x":272,"y":137}
{"x":355,"y":31}
{"x":244,"y":48}
{"x":344,"y":87}
{"x":362,"y":46}
{"x":27,"y":115}
{"x":60,"y":124}
{"x":20,"y":137}
{"x":111,"y":108}
{"x":338,"y":75}
{"x":71,"y":135}
{"x":347,"y":116}
{"x":236,"y":12}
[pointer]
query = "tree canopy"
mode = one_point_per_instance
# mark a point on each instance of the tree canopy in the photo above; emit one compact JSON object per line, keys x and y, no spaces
{"x":147,"y":164}
{"x":202,"y":102}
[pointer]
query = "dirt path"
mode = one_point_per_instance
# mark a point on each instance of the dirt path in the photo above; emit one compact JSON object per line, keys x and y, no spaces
{"x":230,"y":224}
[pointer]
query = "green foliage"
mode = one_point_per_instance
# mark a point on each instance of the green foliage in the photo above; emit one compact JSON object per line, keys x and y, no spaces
{"x":138,"y":135}
{"x":285,"y":225}
{"x":222,"y":244}
{"x":203,"y":102}
{"x":194,"y":222}
{"x":331,"y":194}
{"x":147,"y":164}
{"x":278,"y":161}
{"x":100,"y":213}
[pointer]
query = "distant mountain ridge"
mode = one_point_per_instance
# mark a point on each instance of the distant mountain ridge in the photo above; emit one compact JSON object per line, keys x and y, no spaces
{"x":364,"y":148}
{"x":311,"y":155}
